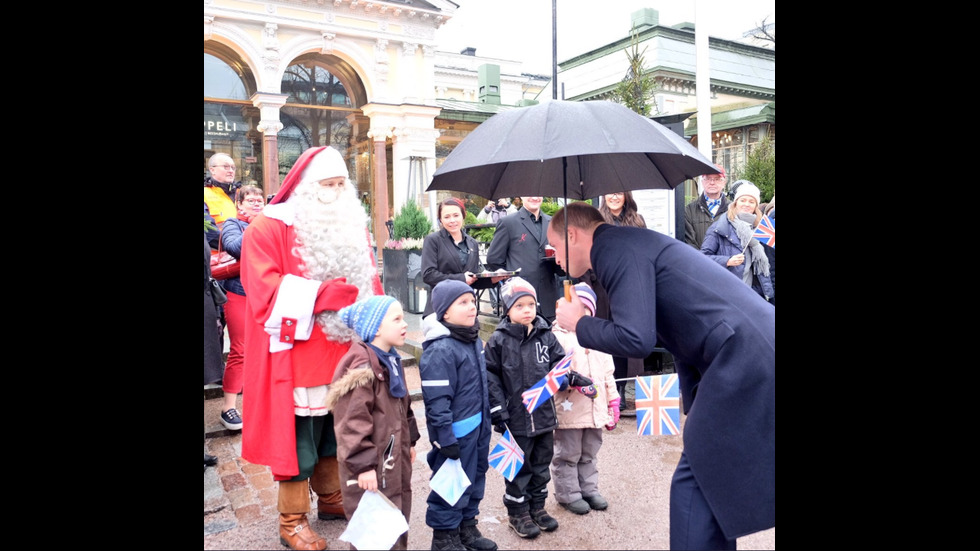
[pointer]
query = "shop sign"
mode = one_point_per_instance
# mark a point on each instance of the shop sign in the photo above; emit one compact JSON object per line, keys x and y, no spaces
{"x":224,"y":126}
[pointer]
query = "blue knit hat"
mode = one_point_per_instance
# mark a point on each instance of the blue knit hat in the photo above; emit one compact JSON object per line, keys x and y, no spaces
{"x":445,"y":293}
{"x":365,"y":316}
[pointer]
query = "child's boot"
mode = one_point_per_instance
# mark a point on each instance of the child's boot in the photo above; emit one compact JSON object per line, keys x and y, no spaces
{"x":544,"y":521}
{"x":446,"y":540}
{"x":523,"y":525}
{"x":472,"y":539}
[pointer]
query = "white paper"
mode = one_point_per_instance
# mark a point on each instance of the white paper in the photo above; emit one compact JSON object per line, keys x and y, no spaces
{"x":375,"y":524}
{"x":450,"y":481}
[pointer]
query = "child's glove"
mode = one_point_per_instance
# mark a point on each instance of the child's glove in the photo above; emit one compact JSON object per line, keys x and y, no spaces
{"x":613,"y":413}
{"x":451,"y":451}
{"x":582,"y":384}
{"x":500,"y":427}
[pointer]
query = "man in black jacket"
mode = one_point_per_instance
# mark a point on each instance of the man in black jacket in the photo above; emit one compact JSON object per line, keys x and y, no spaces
{"x":519,"y":242}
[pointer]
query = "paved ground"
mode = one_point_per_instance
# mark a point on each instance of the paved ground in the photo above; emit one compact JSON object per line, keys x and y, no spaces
{"x":634,"y":476}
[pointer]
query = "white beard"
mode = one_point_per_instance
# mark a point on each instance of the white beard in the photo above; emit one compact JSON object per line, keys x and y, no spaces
{"x":332,"y":242}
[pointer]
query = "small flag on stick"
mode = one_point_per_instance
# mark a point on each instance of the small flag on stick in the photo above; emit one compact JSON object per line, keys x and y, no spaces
{"x":658,"y":405}
{"x":507,"y":457}
{"x":547,"y":387}
{"x":766,"y":232}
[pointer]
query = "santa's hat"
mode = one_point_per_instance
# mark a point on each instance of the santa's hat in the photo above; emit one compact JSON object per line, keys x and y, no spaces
{"x":316,"y":163}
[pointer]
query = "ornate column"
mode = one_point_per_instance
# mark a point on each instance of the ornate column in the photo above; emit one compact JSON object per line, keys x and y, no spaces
{"x":269,"y":125}
{"x":379,"y":212}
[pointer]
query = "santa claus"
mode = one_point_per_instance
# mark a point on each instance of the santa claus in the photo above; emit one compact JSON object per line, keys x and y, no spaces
{"x":304,"y":258}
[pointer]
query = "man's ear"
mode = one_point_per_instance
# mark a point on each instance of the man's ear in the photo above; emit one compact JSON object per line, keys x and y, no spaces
{"x":573,"y":235}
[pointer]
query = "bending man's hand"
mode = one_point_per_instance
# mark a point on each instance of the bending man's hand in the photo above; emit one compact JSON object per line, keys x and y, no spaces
{"x":568,"y":313}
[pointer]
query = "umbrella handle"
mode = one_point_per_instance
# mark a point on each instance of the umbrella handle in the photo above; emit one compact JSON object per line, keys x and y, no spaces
{"x":568,"y":290}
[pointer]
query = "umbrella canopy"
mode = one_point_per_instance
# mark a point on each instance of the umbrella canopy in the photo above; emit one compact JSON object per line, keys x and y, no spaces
{"x":575,"y":150}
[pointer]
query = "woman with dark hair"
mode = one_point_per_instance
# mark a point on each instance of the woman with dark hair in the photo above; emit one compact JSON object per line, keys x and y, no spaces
{"x":619,"y":209}
{"x":450,"y":253}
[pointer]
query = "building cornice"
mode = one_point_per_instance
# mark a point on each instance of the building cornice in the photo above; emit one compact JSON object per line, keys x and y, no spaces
{"x":670,"y":33}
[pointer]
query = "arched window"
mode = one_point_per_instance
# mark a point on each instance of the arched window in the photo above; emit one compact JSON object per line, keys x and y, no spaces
{"x":318,"y":108}
{"x":229,"y":117}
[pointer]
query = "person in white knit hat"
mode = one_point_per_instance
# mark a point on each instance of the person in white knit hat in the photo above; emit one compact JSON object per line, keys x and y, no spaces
{"x":303,"y":259}
{"x":583,"y":411}
{"x":729,"y":241}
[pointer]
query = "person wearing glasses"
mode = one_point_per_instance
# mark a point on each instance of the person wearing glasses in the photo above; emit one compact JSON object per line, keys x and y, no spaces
{"x":219,"y":190}
{"x":249,"y":202}
{"x":700,"y":213}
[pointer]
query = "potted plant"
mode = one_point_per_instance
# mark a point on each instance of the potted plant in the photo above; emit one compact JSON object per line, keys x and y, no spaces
{"x":402,"y":257}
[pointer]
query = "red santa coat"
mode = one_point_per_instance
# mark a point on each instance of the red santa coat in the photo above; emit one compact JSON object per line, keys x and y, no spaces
{"x":269,"y":271}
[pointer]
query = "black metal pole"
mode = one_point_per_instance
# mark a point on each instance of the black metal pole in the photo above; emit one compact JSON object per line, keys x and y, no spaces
{"x":564,"y":186}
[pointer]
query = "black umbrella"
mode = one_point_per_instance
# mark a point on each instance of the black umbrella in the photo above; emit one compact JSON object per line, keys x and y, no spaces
{"x":574,"y":150}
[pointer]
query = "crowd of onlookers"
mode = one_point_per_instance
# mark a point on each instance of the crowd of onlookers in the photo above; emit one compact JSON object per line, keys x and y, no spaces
{"x":313,"y":343}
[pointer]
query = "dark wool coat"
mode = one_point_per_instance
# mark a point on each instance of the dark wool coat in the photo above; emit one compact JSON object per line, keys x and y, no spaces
{"x":516,"y":360}
{"x":723,"y":338}
{"x":372,"y":427}
{"x":516,"y":244}
{"x":440,"y":261}
{"x":697,"y":219}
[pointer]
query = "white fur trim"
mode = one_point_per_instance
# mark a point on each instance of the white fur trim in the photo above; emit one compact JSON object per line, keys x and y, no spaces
{"x":284,"y":212}
{"x":295,"y":299}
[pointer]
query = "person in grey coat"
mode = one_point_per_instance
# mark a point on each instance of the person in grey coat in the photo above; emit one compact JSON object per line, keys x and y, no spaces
{"x":723,"y":338}
{"x":519,"y":242}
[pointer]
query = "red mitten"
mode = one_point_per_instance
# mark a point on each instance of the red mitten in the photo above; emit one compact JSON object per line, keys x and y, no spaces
{"x":614,"y":413}
{"x":334,"y":294}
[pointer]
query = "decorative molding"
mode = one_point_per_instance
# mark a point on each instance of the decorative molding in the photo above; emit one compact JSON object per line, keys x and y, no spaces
{"x":269,"y":127}
{"x":208,"y":24}
{"x":270,"y":38}
{"x":379,"y":133}
{"x":381,"y":51}
{"x":328,"y":42}
{"x":409,"y":49}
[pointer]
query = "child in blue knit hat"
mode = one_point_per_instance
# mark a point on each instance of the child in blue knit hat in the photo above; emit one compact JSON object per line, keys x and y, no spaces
{"x":372,"y":411}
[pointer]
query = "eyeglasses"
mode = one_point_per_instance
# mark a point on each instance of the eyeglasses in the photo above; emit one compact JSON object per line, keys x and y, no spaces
{"x":254,"y":201}
{"x":226,"y":167}
{"x":617,"y":194}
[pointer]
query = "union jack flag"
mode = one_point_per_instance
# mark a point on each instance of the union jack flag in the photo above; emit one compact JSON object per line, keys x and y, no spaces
{"x":658,"y":405}
{"x":766,"y":232}
{"x":544,"y":389}
{"x":507,"y":457}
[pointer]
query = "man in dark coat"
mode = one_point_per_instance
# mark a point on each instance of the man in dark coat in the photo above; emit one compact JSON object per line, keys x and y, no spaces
{"x":519,"y":242}
{"x":723,"y":338}
{"x":710,"y":205}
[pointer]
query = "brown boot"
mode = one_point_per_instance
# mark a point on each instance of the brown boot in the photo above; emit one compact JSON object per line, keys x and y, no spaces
{"x":294,"y":529}
{"x":326,"y":483}
{"x":295,"y":533}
